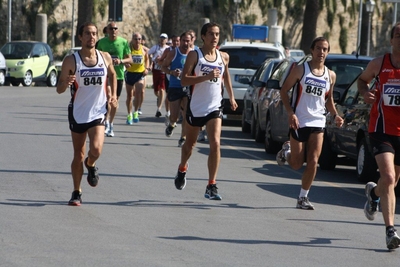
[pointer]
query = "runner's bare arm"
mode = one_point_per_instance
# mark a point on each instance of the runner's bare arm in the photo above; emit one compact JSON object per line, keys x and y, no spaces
{"x":188,"y":78}
{"x":67,"y":76}
{"x":228,"y":82}
{"x":112,"y":78}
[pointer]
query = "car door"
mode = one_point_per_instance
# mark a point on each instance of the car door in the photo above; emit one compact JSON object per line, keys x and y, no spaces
{"x":40,"y":60}
{"x":278,"y":114}
{"x":355,"y":113}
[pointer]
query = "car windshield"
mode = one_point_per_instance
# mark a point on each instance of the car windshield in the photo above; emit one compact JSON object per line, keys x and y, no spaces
{"x":346,"y":70}
{"x":17,"y":50}
{"x":248,"y":58}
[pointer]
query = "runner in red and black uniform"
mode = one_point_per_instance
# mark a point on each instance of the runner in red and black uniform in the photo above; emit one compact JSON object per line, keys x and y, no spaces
{"x":384,"y":132}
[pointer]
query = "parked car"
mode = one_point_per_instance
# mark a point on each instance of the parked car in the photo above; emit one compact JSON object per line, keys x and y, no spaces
{"x":244,"y":60}
{"x":352,"y":139}
{"x":3,"y":69}
{"x":250,"y":100}
{"x":28,"y":62}
{"x":296,"y":53}
{"x":70,"y":52}
{"x":346,"y":67}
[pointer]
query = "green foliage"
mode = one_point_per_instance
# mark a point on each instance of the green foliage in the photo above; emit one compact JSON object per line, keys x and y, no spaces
{"x":52,"y":30}
{"x":343,"y":39}
{"x":65,"y":36}
{"x":250,"y":19}
{"x":295,"y":9}
{"x":330,"y":16}
{"x":100,"y":6}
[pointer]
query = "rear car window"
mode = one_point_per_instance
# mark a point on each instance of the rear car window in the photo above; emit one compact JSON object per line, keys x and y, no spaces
{"x":346,"y":71}
{"x":248,"y":57}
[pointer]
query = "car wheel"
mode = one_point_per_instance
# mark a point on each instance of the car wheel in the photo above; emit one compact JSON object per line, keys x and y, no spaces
{"x":327,"y":159}
{"x":28,"y":79}
{"x":366,"y":165}
{"x":245,"y":125}
{"x":271,"y":146}
{"x":260,"y":134}
{"x":15,"y":83}
{"x":2,"y":78}
{"x":52,"y":79}
{"x":253,"y":125}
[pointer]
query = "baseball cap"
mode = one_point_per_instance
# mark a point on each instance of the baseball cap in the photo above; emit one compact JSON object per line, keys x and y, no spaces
{"x":164,"y":35}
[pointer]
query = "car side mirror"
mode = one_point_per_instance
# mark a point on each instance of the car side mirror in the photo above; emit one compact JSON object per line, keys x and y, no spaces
{"x":258,"y":83}
{"x":274,"y":84}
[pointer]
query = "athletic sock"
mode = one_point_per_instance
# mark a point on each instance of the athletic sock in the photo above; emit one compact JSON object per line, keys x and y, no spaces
{"x":303,"y":193}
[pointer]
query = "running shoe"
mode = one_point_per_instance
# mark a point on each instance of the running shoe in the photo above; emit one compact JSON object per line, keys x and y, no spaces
{"x":371,"y":206}
{"x":129,"y":119}
{"x":392,"y":239}
{"x":166,"y":121}
{"x":93,"y":176}
{"x":76,"y":198}
{"x":202,"y":136}
{"x":110,"y":132}
{"x":181,"y":141}
{"x":169,"y":130}
{"x":107,"y":126}
{"x":280,"y":157}
{"x":212,"y":192}
{"x":158,"y":114}
{"x":304,"y":203}
{"x":140,"y":111}
{"x":136,"y":117}
{"x":180,"y":180}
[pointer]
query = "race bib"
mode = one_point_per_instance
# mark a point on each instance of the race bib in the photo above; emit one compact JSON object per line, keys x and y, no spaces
{"x":206,"y":69}
{"x":391,"y":95}
{"x":91,"y":77}
{"x":314,"y":86}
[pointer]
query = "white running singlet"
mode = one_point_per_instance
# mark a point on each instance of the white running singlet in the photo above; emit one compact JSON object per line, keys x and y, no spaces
{"x":309,"y":97}
{"x":206,"y":96}
{"x":89,"y":91}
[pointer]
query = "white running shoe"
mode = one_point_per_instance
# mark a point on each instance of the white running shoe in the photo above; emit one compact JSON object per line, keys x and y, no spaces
{"x":280,"y":157}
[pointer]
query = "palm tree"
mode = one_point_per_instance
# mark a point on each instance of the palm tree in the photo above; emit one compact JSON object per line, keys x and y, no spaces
{"x":310,"y":18}
{"x":170,"y":17}
{"x":85,"y":14}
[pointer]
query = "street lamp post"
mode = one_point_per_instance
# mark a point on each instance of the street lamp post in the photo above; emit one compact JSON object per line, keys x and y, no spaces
{"x":237,"y":2}
{"x":369,"y":7}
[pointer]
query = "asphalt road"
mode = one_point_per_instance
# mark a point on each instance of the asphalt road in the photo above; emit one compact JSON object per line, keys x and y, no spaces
{"x":136,"y":217}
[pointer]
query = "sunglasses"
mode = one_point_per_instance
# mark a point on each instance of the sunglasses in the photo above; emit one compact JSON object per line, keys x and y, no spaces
{"x":113,"y":28}
{"x":137,"y":39}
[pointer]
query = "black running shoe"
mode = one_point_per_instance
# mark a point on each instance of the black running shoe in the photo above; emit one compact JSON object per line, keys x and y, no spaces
{"x":158,"y":114}
{"x":181,"y":141}
{"x":212,"y":192}
{"x":93,"y":176}
{"x":169,"y":130}
{"x":180,"y":180}
{"x":76,"y":198}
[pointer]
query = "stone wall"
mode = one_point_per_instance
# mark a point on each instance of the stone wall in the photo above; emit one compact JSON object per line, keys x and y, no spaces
{"x":145,"y":17}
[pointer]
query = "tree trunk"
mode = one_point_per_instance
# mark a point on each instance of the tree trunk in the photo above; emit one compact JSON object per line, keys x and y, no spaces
{"x":309,"y":32}
{"x":85,"y":13}
{"x":170,"y":17}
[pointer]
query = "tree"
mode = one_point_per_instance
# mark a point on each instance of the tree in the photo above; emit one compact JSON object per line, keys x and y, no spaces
{"x":170,"y":17}
{"x":310,"y":18}
{"x":85,"y":14}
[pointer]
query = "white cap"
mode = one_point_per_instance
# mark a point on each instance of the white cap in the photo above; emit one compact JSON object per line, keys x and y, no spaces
{"x":164,"y":35}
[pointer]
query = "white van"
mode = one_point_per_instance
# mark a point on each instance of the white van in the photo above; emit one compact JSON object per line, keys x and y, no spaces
{"x":244,"y":60}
